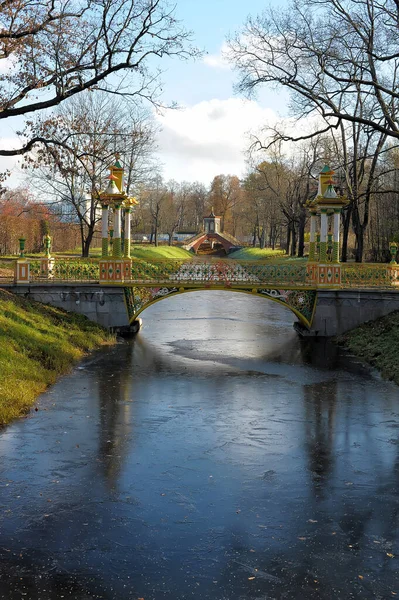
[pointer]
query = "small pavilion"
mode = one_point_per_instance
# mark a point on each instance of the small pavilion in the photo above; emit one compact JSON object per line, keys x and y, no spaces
{"x":325,"y":222}
{"x":115,"y":198}
{"x":212,"y":234}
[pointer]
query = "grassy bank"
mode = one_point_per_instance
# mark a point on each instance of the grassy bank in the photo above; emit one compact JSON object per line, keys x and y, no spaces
{"x":377,"y":342}
{"x":143,"y":251}
{"x":259,"y":254}
{"x":152,"y":253}
{"x":37,"y":344}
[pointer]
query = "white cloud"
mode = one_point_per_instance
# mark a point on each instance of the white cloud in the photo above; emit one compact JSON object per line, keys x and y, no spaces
{"x":209,"y":138}
{"x":10,"y":163}
{"x":220,"y":60}
{"x":7,"y":64}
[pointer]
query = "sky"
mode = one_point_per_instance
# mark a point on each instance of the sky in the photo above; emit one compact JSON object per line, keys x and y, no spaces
{"x":208,"y":134}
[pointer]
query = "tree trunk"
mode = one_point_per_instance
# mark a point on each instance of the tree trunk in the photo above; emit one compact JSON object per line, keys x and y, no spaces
{"x":254,"y":237}
{"x":82,"y":238}
{"x":288,"y":239}
{"x":345,"y":234}
{"x":262,"y":239}
{"x":293,"y":243}
{"x":359,"y":233}
{"x":359,"y":244}
{"x":87,"y":242}
{"x":301,"y":233}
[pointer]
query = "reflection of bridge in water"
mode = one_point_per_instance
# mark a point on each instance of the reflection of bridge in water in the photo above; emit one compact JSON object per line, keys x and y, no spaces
{"x":327,"y":299}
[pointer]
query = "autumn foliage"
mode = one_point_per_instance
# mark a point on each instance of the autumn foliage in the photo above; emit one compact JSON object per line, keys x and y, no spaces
{"x":23,"y":216}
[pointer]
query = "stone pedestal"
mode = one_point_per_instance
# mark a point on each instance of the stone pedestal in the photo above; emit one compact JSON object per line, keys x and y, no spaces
{"x":47,"y":268}
{"x":394,"y":274}
{"x":22,"y":274}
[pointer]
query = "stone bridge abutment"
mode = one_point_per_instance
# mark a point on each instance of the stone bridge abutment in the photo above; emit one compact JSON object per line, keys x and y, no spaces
{"x":336,"y":311}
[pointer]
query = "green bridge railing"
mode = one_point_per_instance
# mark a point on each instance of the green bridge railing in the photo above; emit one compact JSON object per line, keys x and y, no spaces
{"x":212,"y":273}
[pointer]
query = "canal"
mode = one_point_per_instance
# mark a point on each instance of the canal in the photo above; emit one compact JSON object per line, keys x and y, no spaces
{"x":215,"y":456}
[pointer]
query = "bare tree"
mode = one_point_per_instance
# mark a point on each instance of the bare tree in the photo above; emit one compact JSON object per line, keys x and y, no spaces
{"x":52,"y":50}
{"x":327,"y":53}
{"x":71,"y":177}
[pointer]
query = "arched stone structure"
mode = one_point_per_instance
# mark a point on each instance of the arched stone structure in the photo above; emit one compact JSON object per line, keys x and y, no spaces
{"x":212,"y":238}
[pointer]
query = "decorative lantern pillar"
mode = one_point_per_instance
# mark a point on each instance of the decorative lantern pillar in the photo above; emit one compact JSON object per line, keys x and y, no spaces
{"x":336,"y":242}
{"x":127,"y":232}
{"x":312,"y":241}
{"x":323,"y":235}
{"x":115,"y":268}
{"x":327,"y":271}
{"x":104,"y":230}
{"x":117,"y":244}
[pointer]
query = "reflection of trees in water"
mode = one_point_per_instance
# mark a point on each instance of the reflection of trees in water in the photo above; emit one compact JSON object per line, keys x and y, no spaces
{"x":354,"y":514}
{"x":115,"y":385}
{"x":320,"y":405}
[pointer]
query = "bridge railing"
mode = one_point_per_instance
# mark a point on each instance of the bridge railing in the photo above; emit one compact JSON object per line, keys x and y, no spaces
{"x":226,"y":272}
{"x":6,"y":273}
{"x":368,"y":275}
{"x":195,"y":272}
{"x":66,"y":270}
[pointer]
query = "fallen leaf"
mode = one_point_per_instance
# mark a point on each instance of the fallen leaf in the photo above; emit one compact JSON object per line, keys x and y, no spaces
{"x":390,"y":555}
{"x":251,"y":578}
{"x":302,"y":539}
{"x":360,"y":576}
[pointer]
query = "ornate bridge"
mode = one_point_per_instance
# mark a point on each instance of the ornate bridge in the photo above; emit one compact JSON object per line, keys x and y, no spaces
{"x":327,"y":297}
{"x":137,"y":284}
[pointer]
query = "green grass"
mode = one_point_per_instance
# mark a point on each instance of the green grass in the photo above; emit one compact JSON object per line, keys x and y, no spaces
{"x":377,"y":342}
{"x":145,"y":252}
{"x":258,"y":254}
{"x":37,"y":344}
{"x":153,"y":253}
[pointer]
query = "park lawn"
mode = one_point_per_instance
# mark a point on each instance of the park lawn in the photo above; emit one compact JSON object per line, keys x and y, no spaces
{"x":144,"y":252}
{"x":261,"y":254}
{"x":160,"y":252}
{"x":37,"y":344}
{"x":377,"y":342}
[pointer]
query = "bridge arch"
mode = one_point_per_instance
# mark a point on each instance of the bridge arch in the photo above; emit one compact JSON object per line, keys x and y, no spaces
{"x":301,"y":302}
